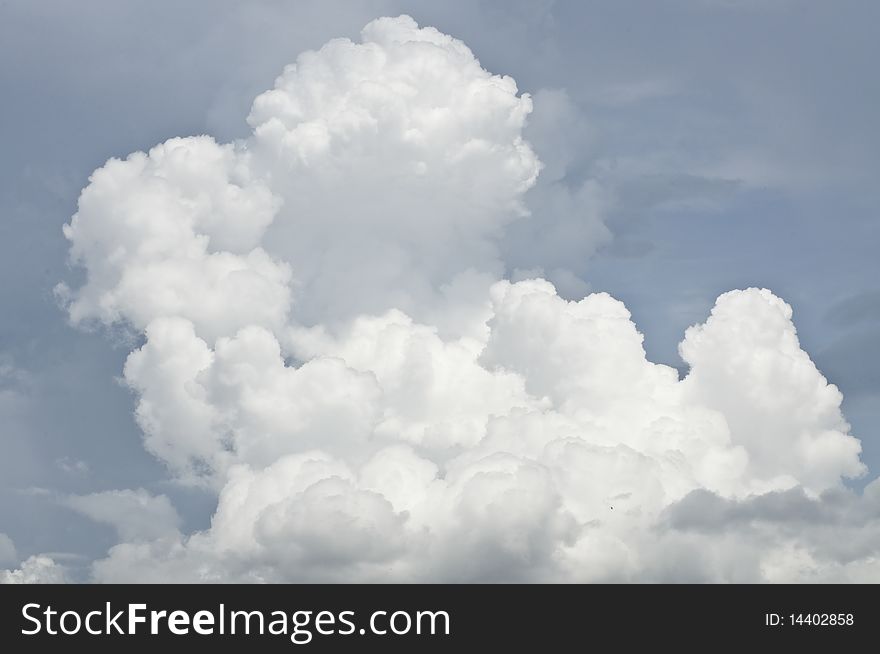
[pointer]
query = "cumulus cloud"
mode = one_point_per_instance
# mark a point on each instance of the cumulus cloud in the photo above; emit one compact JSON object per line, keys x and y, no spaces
{"x":175,"y":231}
{"x":378,"y":174}
{"x":38,"y":569}
{"x":329,"y":344}
{"x":399,"y":160}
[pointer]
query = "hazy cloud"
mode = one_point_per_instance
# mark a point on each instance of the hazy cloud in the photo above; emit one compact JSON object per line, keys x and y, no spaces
{"x":7,"y":549}
{"x":135,"y":514}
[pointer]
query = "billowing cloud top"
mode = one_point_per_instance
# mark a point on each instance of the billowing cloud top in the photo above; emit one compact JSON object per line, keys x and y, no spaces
{"x":377,"y":174}
{"x":330,"y":345}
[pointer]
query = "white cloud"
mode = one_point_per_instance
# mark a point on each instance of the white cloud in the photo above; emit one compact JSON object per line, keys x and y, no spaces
{"x":552,"y":449}
{"x":378,"y":174}
{"x":776,"y":403}
{"x":329,"y":345}
{"x":175,"y":232}
{"x":38,"y":569}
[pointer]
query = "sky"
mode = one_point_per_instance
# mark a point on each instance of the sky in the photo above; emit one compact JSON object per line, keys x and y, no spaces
{"x":157,"y":413}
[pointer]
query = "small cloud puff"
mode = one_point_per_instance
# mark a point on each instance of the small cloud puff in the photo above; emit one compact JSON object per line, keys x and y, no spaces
{"x":38,"y":569}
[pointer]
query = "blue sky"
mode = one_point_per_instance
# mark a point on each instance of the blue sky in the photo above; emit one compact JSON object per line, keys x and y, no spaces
{"x":736,"y":143}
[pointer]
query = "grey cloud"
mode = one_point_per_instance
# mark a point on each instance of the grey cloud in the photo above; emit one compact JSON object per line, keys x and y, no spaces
{"x":846,"y":360}
{"x":135,"y":514}
{"x":8,"y":553}
{"x":838,"y":528}
{"x":703,"y":510}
